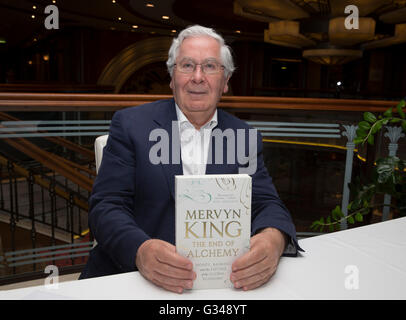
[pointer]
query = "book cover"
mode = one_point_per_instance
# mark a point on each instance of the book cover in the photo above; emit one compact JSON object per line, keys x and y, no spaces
{"x":213,"y":224}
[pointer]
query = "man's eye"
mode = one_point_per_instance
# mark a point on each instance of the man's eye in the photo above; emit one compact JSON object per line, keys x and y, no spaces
{"x":210,"y":66}
{"x":187,"y":66}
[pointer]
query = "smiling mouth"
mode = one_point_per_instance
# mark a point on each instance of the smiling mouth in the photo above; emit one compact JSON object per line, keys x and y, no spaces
{"x":197,"y":92}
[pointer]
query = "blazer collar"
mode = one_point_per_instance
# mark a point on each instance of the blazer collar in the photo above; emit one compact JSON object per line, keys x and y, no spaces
{"x":164,"y":116}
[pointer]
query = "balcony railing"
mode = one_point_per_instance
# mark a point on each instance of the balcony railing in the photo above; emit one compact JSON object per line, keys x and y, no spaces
{"x":47,"y":165}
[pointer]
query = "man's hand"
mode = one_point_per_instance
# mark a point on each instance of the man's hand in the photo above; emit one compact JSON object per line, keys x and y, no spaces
{"x":257,"y":266}
{"x":158,"y":262}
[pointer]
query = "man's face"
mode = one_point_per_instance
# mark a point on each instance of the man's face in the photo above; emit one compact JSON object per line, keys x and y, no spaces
{"x":198,"y":92}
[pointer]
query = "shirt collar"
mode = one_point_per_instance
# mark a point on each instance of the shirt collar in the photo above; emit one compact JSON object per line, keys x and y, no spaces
{"x":184,"y":122}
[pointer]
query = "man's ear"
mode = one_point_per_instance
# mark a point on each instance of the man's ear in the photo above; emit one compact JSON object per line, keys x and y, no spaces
{"x":171,"y":84}
{"x":225,"y":90}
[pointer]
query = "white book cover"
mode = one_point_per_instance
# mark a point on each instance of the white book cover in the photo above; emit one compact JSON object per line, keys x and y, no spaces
{"x":213,"y":224}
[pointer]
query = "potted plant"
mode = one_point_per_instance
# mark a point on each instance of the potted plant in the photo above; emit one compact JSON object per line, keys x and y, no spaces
{"x":388,"y":176}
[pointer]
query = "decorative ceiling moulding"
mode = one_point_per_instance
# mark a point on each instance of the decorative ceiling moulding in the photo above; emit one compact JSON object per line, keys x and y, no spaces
{"x":339,"y":35}
{"x":365,"y":7}
{"x":397,"y":16}
{"x":319,"y":26}
{"x":269,"y":10}
{"x":287,"y":33}
{"x":332,"y":56}
{"x":132,"y":58}
{"x":399,"y":37}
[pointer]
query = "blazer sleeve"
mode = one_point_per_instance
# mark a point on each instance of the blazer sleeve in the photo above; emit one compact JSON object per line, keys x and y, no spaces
{"x":111,"y":205}
{"x":268,"y":209}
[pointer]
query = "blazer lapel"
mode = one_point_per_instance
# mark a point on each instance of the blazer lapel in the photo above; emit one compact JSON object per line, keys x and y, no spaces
{"x":223,"y":167}
{"x":165,"y":118}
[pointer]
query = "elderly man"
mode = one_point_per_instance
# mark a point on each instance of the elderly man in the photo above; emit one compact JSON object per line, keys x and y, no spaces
{"x":132,"y":202}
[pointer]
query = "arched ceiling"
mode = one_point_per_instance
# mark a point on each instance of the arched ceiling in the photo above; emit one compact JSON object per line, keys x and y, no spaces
{"x":303,"y":24}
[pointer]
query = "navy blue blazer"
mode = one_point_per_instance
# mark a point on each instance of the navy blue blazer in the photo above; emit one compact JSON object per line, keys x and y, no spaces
{"x":133,"y":199}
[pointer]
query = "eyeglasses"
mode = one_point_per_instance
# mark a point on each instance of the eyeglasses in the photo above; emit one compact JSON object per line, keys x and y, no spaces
{"x":208,"y":67}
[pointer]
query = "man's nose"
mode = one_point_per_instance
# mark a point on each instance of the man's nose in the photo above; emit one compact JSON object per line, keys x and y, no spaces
{"x":198,"y":74}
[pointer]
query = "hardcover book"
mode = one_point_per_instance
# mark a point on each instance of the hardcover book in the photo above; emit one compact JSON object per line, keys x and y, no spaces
{"x":213,"y":224}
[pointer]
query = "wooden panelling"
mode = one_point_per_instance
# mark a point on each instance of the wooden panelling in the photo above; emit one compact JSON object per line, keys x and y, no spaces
{"x":110,"y":102}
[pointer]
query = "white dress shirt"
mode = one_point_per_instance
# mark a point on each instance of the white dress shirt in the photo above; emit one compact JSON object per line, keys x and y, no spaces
{"x":194,"y":144}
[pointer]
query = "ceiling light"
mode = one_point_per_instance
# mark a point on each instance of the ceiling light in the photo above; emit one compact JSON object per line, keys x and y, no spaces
{"x":45,"y":57}
{"x":34,"y":7}
{"x":33,"y":17}
{"x":113,"y":1}
{"x":119,"y":18}
{"x":150,"y":5}
{"x":134,"y":26}
{"x":30,"y":62}
{"x":165,"y":17}
{"x":2,"y":41}
{"x":53,"y":1}
{"x":173,"y":31}
{"x":283,"y":68}
{"x":237,"y":31}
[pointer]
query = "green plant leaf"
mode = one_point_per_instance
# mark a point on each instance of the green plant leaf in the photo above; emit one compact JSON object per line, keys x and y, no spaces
{"x":404,"y":125}
{"x":363,"y":125}
{"x":314,"y":225}
{"x":370,"y":117}
{"x":376,"y":127}
{"x":399,"y":107}
{"x":371,"y":139}
{"x":385,"y":169}
{"x":395,"y":120}
{"x":359,"y":217}
{"x":361,"y":133}
{"x":388,"y":113}
{"x":401,"y":113}
{"x":351,"y":220}
{"x":358,"y":140}
{"x":336,"y":213}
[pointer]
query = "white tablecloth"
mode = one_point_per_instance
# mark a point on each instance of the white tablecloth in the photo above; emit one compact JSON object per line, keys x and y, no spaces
{"x":362,"y":263}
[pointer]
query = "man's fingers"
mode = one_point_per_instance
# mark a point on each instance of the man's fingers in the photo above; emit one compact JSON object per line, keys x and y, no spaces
{"x":249,"y":259}
{"x":250,"y":271}
{"x":174,"y":272}
{"x":174,"y":259}
{"x":254,"y":285}
{"x":158,"y":261}
{"x":169,"y":281}
{"x":257,"y":266}
{"x":254,"y":280}
{"x":176,"y":289}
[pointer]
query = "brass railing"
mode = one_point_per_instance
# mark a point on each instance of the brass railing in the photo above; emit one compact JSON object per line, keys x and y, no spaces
{"x":111,"y":102}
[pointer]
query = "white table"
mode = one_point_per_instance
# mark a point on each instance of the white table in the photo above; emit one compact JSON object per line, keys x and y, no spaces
{"x":376,"y":253}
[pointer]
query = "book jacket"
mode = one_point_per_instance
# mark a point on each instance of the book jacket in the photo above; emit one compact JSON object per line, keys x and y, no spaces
{"x":213,"y":224}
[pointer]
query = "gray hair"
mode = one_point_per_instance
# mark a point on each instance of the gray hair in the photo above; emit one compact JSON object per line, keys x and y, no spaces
{"x":198,"y":31}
